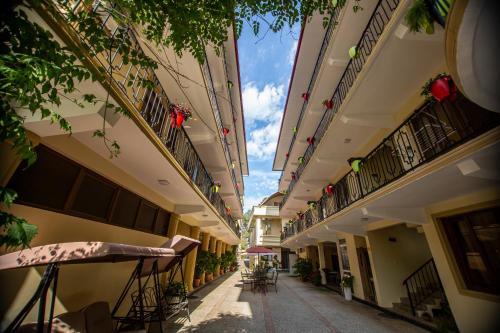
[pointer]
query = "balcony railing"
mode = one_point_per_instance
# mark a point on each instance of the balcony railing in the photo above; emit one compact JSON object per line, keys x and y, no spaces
{"x":379,"y":19}
{"x":431,"y":131}
{"x":218,"y":120}
{"x":152,"y":104}
{"x":324,"y":45}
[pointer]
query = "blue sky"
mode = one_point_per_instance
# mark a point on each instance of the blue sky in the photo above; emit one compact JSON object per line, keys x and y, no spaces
{"x":265,"y":69}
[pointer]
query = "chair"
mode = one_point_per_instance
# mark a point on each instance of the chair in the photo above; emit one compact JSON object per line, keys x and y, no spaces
{"x":273,"y":281}
{"x":247,"y":280}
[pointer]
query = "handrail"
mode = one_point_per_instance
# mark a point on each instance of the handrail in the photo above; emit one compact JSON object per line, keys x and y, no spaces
{"x":152,"y":104}
{"x":431,"y":131}
{"x":423,"y":283}
{"x":374,"y":29}
{"x":319,"y":60}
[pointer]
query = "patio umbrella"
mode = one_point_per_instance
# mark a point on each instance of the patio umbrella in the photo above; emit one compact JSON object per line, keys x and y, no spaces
{"x":258,"y":250}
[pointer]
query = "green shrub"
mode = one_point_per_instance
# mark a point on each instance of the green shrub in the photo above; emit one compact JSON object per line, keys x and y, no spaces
{"x":304,"y":268}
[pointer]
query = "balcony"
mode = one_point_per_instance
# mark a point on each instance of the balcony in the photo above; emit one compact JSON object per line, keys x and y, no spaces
{"x":380,"y":18}
{"x":266,"y":210}
{"x":269,"y":241}
{"x":125,"y":81}
{"x":431,"y":131}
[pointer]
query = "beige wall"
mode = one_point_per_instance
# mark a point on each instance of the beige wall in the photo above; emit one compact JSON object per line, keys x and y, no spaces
{"x":392,"y":262}
{"x":473,"y":311}
{"x":79,"y":285}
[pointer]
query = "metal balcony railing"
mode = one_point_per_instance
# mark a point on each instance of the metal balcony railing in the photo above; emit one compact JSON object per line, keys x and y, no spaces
{"x":152,"y":104}
{"x":379,"y":19}
{"x":429,"y":132}
{"x":324,"y":45}
{"x":218,"y":120}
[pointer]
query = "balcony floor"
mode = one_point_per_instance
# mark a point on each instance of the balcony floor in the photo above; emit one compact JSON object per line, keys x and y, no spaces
{"x":296,"y":307}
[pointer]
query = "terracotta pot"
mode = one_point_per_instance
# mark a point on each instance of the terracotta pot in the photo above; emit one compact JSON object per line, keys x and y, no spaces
{"x":209,"y":277}
{"x":442,"y":88}
{"x":196,"y":282}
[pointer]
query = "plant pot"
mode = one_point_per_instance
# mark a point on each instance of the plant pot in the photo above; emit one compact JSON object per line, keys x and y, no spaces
{"x":347,"y":293}
{"x":173,"y":299}
{"x":196,"y":282}
{"x":442,"y":88}
{"x":221,"y":272}
{"x":209,"y":277}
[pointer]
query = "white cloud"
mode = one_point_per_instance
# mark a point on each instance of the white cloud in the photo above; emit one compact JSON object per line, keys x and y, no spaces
{"x":265,"y":106}
{"x":291,"y":53}
{"x":262,"y":105}
{"x":265,"y":183}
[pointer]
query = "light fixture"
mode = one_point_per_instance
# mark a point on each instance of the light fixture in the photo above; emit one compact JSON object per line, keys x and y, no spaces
{"x":163,"y":182}
{"x":205,"y":215}
{"x":364,"y":219}
{"x":347,"y":140}
{"x":187,"y":126}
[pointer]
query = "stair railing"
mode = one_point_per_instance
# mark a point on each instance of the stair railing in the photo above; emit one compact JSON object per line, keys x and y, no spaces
{"x":422,"y":283}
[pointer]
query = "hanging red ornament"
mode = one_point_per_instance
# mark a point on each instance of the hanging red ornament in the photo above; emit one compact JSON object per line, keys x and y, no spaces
{"x":178,"y":114}
{"x":310,"y":140}
{"x":287,"y":155}
{"x":305,"y":96}
{"x":293,"y":176}
{"x":225,"y":131}
{"x":329,"y":189}
{"x":328,"y":103}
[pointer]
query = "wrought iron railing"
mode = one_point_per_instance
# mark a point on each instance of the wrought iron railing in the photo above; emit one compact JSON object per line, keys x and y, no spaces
{"x":324,"y":45}
{"x":379,"y":19}
{"x":429,"y":132}
{"x":152,"y":104}
{"x":218,"y":120}
{"x":422,"y":284}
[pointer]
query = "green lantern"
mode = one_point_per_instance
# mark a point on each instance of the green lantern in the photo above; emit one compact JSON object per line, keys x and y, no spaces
{"x":356,"y":165}
{"x":353,"y":52}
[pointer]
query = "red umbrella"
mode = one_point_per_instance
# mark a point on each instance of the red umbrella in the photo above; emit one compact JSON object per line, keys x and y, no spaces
{"x":258,"y":250}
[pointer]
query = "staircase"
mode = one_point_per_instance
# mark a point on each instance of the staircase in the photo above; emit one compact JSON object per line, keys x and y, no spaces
{"x":425,"y":295}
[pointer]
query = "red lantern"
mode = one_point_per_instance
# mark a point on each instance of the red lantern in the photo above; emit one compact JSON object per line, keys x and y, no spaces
{"x":305,"y":96}
{"x":329,"y":189}
{"x":287,"y":155}
{"x":442,"y":88}
{"x":293,"y":176}
{"x":225,"y":131}
{"x":328,"y":103}
{"x":310,"y":140}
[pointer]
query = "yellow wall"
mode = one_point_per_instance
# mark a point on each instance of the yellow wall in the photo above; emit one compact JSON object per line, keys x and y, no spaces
{"x":473,"y":311}
{"x":392,"y":262}
{"x":79,"y":285}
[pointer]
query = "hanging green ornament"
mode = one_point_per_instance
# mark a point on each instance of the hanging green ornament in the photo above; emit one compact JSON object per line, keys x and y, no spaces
{"x":230,"y":84}
{"x":301,"y":159}
{"x":356,"y":165}
{"x":294,"y":130}
{"x":353,"y":52}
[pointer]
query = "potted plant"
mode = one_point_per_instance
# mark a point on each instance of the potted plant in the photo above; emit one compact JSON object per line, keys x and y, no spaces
{"x":329,"y":189}
{"x":310,"y":140}
{"x":328,"y":103}
{"x":422,"y":15}
{"x":346,"y":284}
{"x":175,"y":292}
{"x":200,"y":267}
{"x":312,"y":204}
{"x":303,"y":267}
{"x":439,"y":88}
{"x":316,"y":278}
{"x":305,"y":97}
{"x":353,"y":52}
{"x":355,"y":163}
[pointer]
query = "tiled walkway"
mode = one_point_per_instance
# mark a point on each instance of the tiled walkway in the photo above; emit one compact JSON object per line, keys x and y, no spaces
{"x":296,"y":307}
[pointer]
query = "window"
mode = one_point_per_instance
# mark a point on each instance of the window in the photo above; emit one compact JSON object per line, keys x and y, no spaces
{"x":343,"y":255}
{"x":474,"y":238}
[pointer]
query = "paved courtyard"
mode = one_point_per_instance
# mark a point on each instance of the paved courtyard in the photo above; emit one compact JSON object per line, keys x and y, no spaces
{"x":296,"y":307}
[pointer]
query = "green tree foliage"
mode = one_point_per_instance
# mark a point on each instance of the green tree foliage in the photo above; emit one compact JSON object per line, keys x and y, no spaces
{"x":37,"y":72}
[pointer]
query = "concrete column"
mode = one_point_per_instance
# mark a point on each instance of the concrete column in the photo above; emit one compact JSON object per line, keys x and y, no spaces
{"x":172,"y":225}
{"x":205,"y":242}
{"x":213,"y":242}
{"x":218,"y":253}
{"x":322,"y":262}
{"x":258,"y":231}
{"x":191,"y":259}
{"x":10,"y":159}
